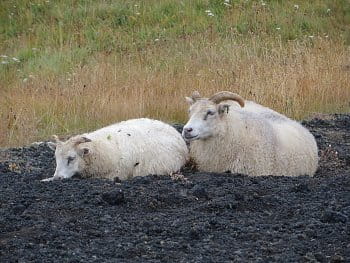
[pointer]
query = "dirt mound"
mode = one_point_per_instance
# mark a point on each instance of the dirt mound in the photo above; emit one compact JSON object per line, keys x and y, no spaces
{"x":193,"y":217}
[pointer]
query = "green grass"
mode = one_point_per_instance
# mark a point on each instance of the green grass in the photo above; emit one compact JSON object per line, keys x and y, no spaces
{"x":163,"y":49}
{"x":69,"y":32}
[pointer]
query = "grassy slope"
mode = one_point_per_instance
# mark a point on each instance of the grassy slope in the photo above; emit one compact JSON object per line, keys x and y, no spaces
{"x":83,"y":64}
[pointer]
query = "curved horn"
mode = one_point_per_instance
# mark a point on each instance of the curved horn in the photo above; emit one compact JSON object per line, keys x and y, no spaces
{"x":227,"y":95}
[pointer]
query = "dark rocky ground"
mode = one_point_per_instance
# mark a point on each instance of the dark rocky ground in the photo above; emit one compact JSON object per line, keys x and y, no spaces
{"x":197,"y":217}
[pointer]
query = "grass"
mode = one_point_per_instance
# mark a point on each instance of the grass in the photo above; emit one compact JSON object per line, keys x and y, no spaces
{"x":98,"y":62}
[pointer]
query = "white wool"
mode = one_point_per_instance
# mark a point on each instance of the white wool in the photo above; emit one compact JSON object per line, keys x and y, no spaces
{"x":137,"y":147}
{"x":252,"y":140}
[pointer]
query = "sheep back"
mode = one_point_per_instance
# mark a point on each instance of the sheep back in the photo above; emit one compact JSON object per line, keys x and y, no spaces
{"x":256,"y":141}
{"x":135,"y":147}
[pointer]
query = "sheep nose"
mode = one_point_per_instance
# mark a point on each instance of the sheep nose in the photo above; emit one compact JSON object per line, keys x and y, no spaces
{"x":188,"y":129}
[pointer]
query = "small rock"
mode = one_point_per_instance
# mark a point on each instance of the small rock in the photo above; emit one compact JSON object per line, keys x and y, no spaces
{"x":115,"y":197}
{"x":301,"y":188}
{"x":200,"y":192}
{"x":239,"y":197}
{"x":318,"y":136}
{"x":347,"y":160}
{"x":320,"y":257}
{"x":333,"y":217}
{"x":301,"y":236}
{"x":19,"y":209}
{"x":117,"y":180}
{"x":337,"y":259}
{"x":195,"y":233}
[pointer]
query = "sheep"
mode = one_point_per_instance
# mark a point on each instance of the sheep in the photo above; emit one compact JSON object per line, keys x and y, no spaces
{"x":136,"y":147}
{"x":244,"y":137}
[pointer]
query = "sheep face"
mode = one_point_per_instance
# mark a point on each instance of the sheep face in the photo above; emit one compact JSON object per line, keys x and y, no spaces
{"x":70,"y":157}
{"x":204,"y":117}
{"x":206,"y":114}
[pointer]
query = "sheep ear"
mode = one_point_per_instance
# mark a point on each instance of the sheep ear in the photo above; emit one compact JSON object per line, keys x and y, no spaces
{"x":189,"y":100}
{"x":196,"y":95}
{"x":82,"y":139}
{"x":84,"y":152}
{"x":223,"y":108}
{"x":55,"y":138}
{"x":52,"y":145}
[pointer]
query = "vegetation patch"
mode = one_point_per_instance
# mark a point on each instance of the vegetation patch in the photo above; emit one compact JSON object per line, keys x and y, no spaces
{"x":98,"y":62}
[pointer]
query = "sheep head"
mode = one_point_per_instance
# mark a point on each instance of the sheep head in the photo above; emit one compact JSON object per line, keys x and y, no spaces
{"x":70,"y":156}
{"x":206,"y":113}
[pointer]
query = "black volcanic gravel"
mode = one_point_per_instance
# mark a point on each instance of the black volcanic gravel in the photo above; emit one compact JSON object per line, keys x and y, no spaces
{"x":197,"y":217}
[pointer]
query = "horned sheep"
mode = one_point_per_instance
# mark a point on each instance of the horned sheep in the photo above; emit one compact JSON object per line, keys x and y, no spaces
{"x":227,"y":133}
{"x":127,"y":149}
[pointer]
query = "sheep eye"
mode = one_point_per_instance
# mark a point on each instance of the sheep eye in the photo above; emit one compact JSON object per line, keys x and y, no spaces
{"x":70,"y":159}
{"x":209,"y":112}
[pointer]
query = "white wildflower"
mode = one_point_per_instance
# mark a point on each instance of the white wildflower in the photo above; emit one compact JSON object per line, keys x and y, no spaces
{"x":296,"y":7}
{"x":227,"y":1}
{"x":4,"y":56}
{"x":16,"y":59}
{"x":263,"y":3}
{"x":137,"y":13}
{"x":328,"y":10}
{"x":210,"y":14}
{"x":226,"y":4}
{"x":156,"y":40}
{"x":34,"y":49}
{"x":25,"y":80}
{"x":4,"y":62}
{"x":311,"y":36}
{"x":278,"y":28}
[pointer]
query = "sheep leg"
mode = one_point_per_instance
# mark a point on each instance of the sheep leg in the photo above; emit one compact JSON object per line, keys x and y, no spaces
{"x":50,"y":179}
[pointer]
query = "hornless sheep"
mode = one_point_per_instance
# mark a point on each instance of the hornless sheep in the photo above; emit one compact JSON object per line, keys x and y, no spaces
{"x":244,"y":137}
{"x":130,"y":148}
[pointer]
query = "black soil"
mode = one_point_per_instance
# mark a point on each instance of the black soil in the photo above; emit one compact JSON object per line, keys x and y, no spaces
{"x":193,"y":217}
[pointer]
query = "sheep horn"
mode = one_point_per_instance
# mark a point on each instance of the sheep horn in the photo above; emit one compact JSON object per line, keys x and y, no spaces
{"x":227,"y":95}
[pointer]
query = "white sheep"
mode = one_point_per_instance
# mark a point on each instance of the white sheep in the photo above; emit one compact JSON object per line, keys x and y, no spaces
{"x":130,"y":148}
{"x":244,"y":137}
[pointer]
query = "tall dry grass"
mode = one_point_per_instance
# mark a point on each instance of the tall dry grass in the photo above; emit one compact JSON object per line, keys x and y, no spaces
{"x":296,"y":78}
{"x":68,"y":70}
